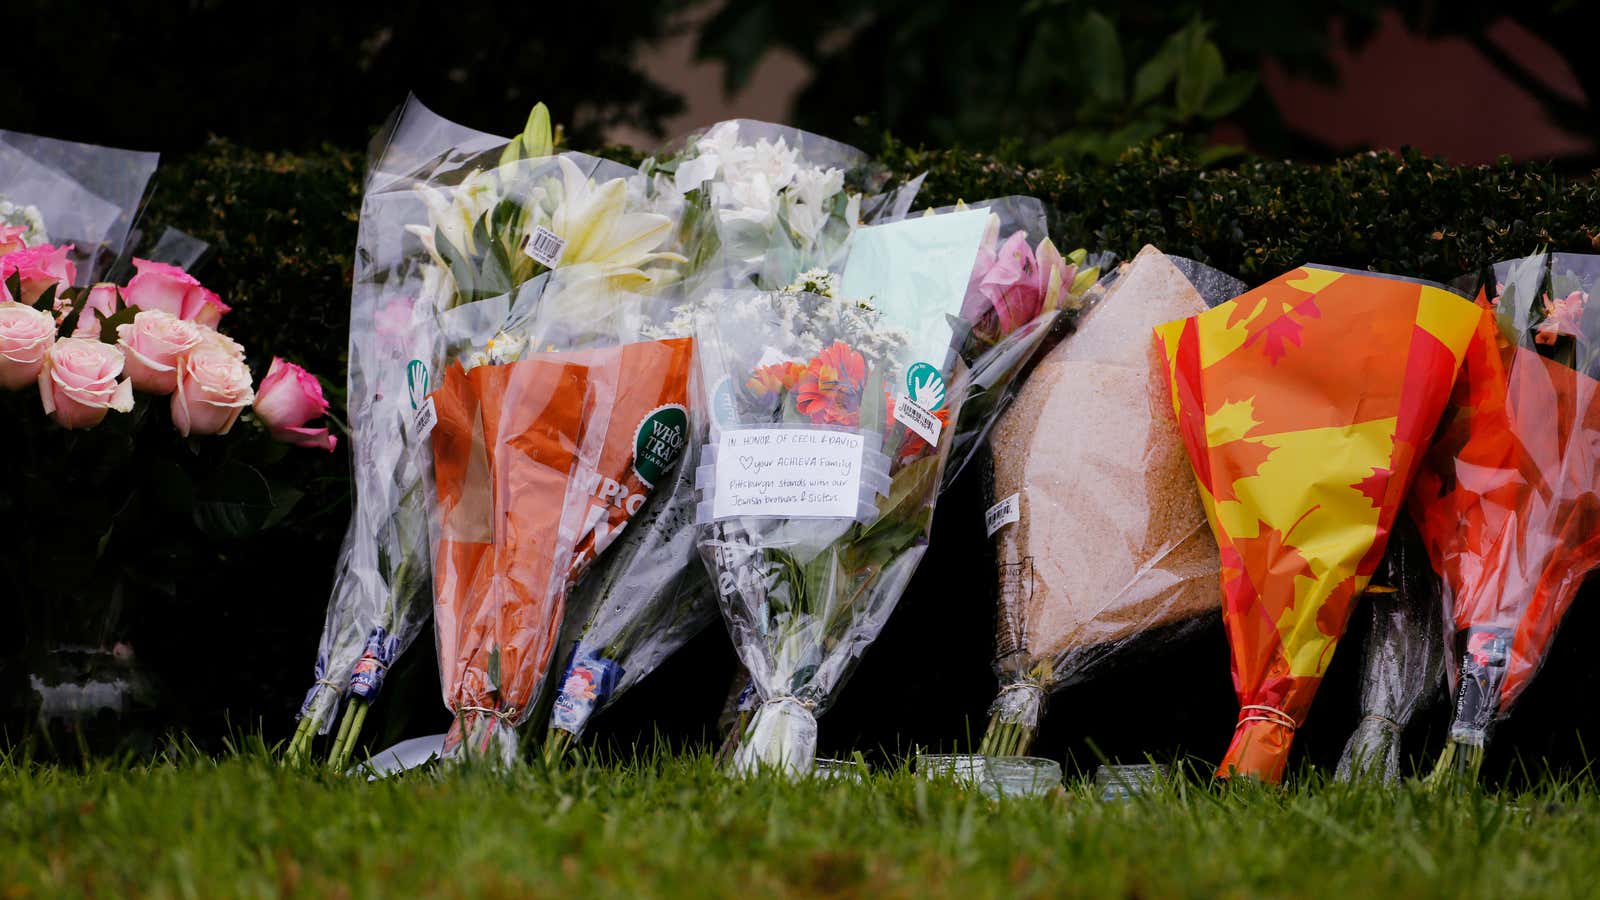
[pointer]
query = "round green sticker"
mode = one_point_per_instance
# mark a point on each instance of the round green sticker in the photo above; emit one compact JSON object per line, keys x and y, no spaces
{"x":659,"y":442}
{"x":925,"y":386}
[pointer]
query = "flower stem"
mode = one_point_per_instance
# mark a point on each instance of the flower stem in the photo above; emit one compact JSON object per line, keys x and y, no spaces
{"x":1005,"y":738}
{"x":355,"y":715}
{"x":556,"y":744}
{"x":300,"y":744}
{"x":1459,"y":764}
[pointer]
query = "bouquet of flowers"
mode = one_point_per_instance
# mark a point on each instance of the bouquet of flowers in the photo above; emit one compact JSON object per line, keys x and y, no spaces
{"x":107,"y":388}
{"x":827,"y":444}
{"x":757,"y":204}
{"x":1305,"y":406}
{"x":457,"y":226}
{"x":541,"y":462}
{"x":1101,"y":536}
{"x":1509,"y":501}
{"x":1404,"y":658}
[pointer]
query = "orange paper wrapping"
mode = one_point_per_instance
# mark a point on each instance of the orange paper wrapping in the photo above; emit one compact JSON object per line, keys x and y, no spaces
{"x":1304,"y":405}
{"x":505,"y":446}
{"x":510,"y":440}
{"x":1508,"y":504}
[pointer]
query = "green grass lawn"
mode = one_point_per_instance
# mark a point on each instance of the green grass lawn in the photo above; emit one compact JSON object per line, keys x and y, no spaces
{"x":671,"y":825}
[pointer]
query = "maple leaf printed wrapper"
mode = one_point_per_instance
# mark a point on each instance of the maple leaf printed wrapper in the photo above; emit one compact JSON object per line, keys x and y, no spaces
{"x":1508,"y":500}
{"x":1304,"y":406}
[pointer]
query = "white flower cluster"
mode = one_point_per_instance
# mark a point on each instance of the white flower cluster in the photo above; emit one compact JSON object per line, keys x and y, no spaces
{"x":13,"y":215}
{"x":754,"y":183}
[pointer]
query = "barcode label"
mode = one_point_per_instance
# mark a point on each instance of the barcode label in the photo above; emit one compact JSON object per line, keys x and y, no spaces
{"x":925,"y":424}
{"x":546,"y":247}
{"x":423,"y":420}
{"x":1003,"y":513}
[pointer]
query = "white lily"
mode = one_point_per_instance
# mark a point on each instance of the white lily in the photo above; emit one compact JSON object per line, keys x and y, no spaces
{"x":599,"y":231}
{"x":808,"y":201}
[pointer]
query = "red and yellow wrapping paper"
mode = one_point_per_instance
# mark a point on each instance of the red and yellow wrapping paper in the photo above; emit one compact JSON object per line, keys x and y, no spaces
{"x":1508,"y":504}
{"x":1305,"y":405}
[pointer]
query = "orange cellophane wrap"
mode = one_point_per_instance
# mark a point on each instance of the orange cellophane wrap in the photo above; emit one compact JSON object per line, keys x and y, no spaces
{"x":505,"y":447}
{"x":640,"y":378}
{"x":1508,"y":503}
{"x":1304,"y":406}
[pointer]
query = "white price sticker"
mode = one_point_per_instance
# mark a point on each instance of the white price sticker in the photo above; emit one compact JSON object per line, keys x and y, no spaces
{"x":1003,"y":513}
{"x":423,"y":420}
{"x":787,"y":472}
{"x":924,"y":424}
{"x":546,"y":247}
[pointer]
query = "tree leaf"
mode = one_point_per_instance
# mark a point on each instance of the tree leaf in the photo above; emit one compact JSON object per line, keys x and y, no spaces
{"x":1201,"y":73}
{"x":235,"y":502}
{"x":1100,"y":54}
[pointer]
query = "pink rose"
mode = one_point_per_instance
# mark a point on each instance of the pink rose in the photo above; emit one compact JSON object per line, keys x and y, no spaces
{"x":154,"y":344}
{"x":37,"y":268}
{"x":289,"y":398}
{"x":208,"y":309}
{"x":25,"y":338}
{"x":78,"y":382}
{"x":213,"y":387}
{"x":11,"y":238}
{"x":214,"y":338}
{"x":172,"y":290}
{"x":102,"y":304}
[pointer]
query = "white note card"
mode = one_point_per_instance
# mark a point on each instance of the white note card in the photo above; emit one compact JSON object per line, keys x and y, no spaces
{"x":788,"y":472}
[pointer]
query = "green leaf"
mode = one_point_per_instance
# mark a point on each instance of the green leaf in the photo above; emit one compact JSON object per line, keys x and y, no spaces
{"x":235,"y":502}
{"x":1201,"y":73}
{"x":1100,"y":53}
{"x":1230,"y":95}
{"x":494,"y":669}
{"x":108,"y":325}
{"x":14,"y":286}
{"x":1154,"y":76}
{"x":46,"y":300}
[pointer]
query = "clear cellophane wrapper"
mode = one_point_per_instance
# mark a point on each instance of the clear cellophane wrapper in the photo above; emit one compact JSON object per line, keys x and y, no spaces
{"x":1404,"y":663}
{"x":1507,"y":502}
{"x":1100,"y":534}
{"x":68,"y":193}
{"x":804,"y":595}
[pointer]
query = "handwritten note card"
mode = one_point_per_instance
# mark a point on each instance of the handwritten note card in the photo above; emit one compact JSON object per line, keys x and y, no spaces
{"x":787,"y":472}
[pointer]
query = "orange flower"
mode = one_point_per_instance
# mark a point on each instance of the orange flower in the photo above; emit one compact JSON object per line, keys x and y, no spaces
{"x":913,"y":446}
{"x":768,"y":381}
{"x":830,"y":389}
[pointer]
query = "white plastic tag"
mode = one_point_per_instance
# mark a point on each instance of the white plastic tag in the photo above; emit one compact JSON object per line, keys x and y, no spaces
{"x":423,"y":420}
{"x":924,"y":424}
{"x":546,"y":247}
{"x":1003,"y":513}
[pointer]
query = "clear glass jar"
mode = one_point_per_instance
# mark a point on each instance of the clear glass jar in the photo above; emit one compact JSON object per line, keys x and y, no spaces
{"x":995,"y":776}
{"x":1123,"y":782}
{"x":840,"y":770}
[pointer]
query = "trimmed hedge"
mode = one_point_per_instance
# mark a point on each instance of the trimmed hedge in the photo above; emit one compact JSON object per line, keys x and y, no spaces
{"x":284,"y":229}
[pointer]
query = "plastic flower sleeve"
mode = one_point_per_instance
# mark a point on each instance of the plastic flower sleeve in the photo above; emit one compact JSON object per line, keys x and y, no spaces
{"x":73,"y":194}
{"x":816,"y":501}
{"x":1101,"y":537}
{"x":1304,"y":406}
{"x":1404,"y":662}
{"x":1508,"y":502}
{"x":381,"y":593}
